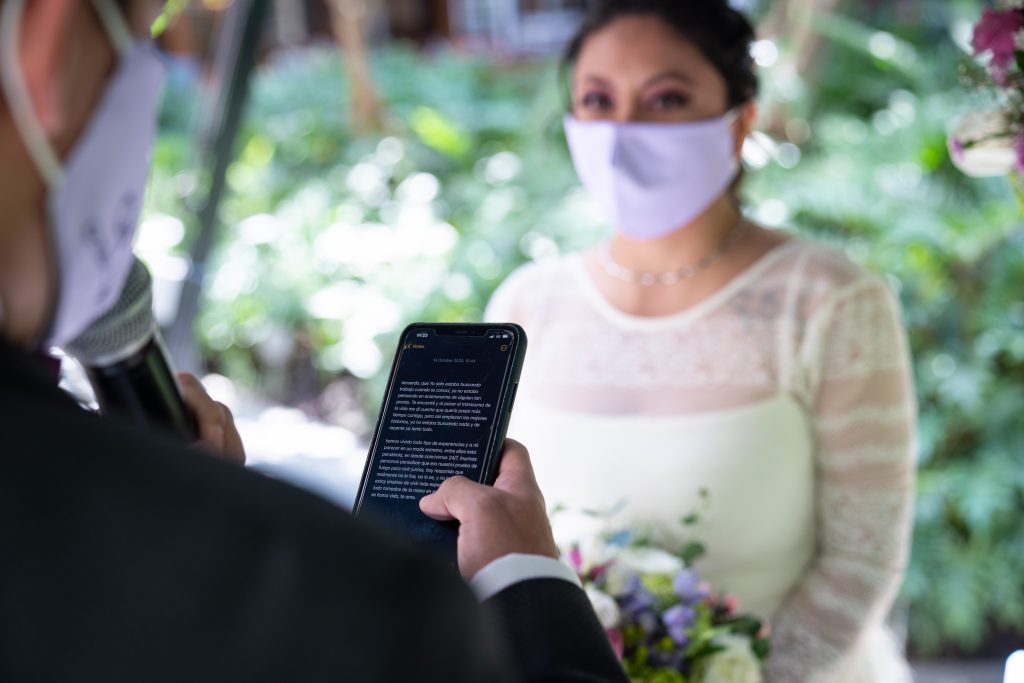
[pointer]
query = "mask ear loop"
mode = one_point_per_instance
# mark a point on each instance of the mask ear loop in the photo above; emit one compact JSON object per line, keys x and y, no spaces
{"x":730,"y":118}
{"x":733,"y":114}
{"x":116,"y":25}
{"x":18,"y":99}
{"x":16,"y":90}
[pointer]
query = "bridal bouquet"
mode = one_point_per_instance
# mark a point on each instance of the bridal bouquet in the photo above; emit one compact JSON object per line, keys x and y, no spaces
{"x":664,"y":622}
{"x":991,"y":143}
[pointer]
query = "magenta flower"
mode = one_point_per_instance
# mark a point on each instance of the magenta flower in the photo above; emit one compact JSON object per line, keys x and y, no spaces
{"x":618,"y":643}
{"x":598,"y":571}
{"x":1020,"y":155}
{"x":731,"y":603}
{"x":576,"y":559}
{"x":956,"y":149}
{"x":995,"y":33}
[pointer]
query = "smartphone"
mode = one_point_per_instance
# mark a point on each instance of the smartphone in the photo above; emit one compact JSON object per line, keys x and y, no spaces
{"x":445,"y":413}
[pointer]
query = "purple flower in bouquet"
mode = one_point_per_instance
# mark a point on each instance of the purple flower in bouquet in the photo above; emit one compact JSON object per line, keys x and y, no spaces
{"x":996,"y":33}
{"x":678,"y":620}
{"x":637,"y":603}
{"x":1020,"y":155}
{"x":667,"y":659}
{"x":688,"y":586}
{"x":636,"y":599}
{"x":647,"y":620}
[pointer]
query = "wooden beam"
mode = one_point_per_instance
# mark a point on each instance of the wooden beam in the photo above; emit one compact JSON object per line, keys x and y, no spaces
{"x":351,"y":20}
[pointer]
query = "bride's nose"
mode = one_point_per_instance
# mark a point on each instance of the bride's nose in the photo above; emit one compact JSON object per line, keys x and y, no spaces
{"x":630,"y":109}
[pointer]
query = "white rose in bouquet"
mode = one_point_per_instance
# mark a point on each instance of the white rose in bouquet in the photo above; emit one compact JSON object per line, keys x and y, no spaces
{"x":645,"y":560}
{"x":632,"y":563}
{"x":605,"y":607}
{"x":619,"y":581}
{"x":982,"y":146}
{"x":736,"y":663}
{"x":585,"y":533}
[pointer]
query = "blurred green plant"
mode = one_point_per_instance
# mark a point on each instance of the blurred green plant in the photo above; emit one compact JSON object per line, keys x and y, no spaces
{"x":331,"y":244}
{"x":170,"y":10}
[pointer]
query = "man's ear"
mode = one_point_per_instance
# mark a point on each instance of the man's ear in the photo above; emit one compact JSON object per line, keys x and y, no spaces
{"x":44,"y":33}
{"x":744,"y":125}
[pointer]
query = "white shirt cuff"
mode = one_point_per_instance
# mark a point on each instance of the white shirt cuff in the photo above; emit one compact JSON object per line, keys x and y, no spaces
{"x":515,"y":568}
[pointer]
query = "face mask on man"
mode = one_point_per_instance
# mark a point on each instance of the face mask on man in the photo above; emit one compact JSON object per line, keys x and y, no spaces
{"x":95,"y":199}
{"x":653,"y":178}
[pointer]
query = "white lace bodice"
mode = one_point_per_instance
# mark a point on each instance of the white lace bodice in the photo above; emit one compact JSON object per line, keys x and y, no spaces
{"x":787,"y":395}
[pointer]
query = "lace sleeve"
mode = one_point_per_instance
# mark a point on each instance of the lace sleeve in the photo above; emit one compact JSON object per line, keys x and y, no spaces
{"x":856,"y":375}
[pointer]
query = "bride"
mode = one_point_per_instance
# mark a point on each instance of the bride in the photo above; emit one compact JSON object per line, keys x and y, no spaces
{"x":697,"y":351}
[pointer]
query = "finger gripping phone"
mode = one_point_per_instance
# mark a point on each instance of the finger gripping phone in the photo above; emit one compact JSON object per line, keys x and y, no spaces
{"x":445,"y":413}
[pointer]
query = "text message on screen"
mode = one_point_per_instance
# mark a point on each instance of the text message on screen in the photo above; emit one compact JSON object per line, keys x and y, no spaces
{"x":438,"y":422}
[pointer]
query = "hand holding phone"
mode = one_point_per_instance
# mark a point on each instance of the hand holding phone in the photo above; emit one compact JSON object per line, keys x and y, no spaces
{"x":509,"y":517}
{"x":445,"y":414}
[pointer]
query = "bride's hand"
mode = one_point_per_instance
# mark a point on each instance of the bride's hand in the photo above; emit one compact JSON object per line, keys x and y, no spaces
{"x":494,"y":521}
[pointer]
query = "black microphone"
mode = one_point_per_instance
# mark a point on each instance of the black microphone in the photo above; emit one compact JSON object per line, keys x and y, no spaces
{"x":127,"y":365}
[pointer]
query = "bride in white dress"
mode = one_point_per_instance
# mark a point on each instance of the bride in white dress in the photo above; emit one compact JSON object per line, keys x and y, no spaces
{"x":696,"y":351}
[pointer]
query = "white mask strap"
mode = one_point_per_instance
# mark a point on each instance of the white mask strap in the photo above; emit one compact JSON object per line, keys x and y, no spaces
{"x":117,"y":27}
{"x":18,"y":100}
{"x":16,"y":90}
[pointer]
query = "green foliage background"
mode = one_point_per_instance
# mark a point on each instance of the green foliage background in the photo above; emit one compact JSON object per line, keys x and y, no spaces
{"x":332,"y":243}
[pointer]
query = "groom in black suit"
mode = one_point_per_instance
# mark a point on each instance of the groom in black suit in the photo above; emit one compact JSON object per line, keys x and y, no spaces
{"x":124,"y":557}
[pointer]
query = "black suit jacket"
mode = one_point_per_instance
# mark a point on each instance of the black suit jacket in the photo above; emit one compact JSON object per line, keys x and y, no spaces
{"x":126,"y":557}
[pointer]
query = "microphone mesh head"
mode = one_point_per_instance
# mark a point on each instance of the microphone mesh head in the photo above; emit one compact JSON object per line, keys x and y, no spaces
{"x":122,"y":330}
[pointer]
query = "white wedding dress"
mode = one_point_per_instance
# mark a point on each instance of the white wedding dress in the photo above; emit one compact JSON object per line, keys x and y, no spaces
{"x":787,"y":395}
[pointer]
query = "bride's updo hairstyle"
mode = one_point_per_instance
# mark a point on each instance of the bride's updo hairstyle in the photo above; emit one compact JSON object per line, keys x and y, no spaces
{"x":722,"y":34}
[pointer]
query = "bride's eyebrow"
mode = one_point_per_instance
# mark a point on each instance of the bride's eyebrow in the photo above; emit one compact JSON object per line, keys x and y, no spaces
{"x":591,"y":79}
{"x":671,"y":74}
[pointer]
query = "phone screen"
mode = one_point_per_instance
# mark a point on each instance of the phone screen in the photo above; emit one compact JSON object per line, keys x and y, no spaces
{"x":444,"y":414}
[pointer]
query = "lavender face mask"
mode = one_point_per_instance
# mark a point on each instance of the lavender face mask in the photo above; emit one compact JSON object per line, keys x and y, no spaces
{"x":653,"y":178}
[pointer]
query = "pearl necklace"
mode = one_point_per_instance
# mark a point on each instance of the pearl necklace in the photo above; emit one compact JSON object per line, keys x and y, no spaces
{"x":620,"y":272}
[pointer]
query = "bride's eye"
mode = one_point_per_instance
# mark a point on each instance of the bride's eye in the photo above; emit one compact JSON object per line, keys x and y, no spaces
{"x":668,"y":101}
{"x":596,"y":101}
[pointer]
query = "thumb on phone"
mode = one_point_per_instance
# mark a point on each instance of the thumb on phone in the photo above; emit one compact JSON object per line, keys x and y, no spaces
{"x":452,"y":500}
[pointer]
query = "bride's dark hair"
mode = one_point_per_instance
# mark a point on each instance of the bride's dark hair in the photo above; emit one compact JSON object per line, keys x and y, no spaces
{"x":722,"y":34}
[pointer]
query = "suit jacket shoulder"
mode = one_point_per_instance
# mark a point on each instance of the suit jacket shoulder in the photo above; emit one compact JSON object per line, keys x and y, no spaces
{"x":129,"y":557}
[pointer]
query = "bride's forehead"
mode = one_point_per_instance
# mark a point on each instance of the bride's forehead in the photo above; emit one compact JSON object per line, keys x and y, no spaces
{"x":642,"y":45}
